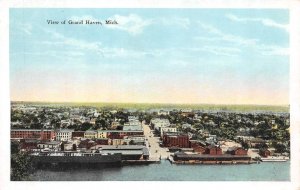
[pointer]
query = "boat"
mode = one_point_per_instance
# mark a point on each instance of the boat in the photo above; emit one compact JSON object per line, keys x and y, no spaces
{"x":274,"y":159}
{"x":75,"y":157}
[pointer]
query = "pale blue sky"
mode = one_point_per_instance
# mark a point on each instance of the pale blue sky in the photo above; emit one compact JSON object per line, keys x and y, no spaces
{"x":230,"y":56}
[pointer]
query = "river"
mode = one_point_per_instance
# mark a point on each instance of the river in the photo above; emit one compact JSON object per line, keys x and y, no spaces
{"x":266,"y":171}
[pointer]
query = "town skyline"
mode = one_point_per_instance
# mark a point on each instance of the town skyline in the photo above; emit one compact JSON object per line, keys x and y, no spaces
{"x":173,"y":56}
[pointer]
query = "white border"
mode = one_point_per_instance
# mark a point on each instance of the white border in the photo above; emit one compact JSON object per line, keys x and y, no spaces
{"x":293,"y":6}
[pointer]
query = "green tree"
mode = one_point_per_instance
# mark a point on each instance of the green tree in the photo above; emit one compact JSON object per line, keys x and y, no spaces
{"x":21,"y":164}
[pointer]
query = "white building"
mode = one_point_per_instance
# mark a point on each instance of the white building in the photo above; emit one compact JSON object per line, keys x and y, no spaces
{"x":158,"y":123}
{"x":186,"y":126}
{"x":133,"y":118}
{"x":64,"y":135}
{"x":163,"y":112}
{"x":167,"y":129}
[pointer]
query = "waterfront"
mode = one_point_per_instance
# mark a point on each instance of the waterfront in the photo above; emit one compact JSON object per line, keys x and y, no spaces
{"x":273,"y":171}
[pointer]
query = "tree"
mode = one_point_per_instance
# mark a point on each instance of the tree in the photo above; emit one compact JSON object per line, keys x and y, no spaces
{"x":131,"y":142}
{"x":14,"y":147}
{"x":21,"y":164}
{"x":245,"y":145}
{"x":74,"y":147}
{"x":279,"y":148}
{"x":62,"y":147}
{"x":86,"y":126}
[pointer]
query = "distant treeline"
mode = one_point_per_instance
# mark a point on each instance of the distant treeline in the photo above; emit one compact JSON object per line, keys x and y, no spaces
{"x":147,"y":106}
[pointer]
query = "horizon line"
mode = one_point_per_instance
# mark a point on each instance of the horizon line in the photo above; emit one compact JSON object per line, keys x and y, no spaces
{"x":60,"y":102}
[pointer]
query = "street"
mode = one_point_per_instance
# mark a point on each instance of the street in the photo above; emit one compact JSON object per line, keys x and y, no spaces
{"x":152,"y":143}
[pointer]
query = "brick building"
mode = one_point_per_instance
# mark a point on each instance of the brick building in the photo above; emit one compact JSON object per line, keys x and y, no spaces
{"x":41,"y":134}
{"x":213,"y":150}
{"x":237,"y":151}
{"x":176,"y":140}
{"x":78,"y":134}
{"x":198,"y":146}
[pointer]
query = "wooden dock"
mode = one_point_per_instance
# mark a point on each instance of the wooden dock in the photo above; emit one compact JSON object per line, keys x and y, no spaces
{"x":140,"y":162}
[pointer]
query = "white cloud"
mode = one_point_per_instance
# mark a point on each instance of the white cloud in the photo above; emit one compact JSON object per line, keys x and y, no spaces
{"x":254,"y":44}
{"x":273,"y":50}
{"x":75,"y":43}
{"x":228,"y":37}
{"x":224,"y":51}
{"x":133,"y":24}
{"x":25,"y":27}
{"x":264,"y":21}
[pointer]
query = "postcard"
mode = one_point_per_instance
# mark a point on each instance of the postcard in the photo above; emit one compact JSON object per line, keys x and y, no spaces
{"x":151,"y":94}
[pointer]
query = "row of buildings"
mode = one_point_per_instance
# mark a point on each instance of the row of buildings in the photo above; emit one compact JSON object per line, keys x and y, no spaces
{"x":68,"y":134}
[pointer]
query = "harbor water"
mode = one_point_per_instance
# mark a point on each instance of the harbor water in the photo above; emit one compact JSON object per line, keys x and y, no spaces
{"x":165,"y":171}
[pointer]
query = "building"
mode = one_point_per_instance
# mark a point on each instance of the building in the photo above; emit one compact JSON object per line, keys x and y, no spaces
{"x":116,"y":142}
{"x":198,"y":146}
{"x":120,"y":134}
{"x":90,"y":134}
{"x":186,"y":126}
{"x":129,"y":152}
{"x":28,"y":144}
{"x":101,"y":134}
{"x":40,"y":134}
{"x":158,"y":123}
{"x":163,"y":112}
{"x":134,"y":140}
{"x":237,"y":151}
{"x":64,"y":134}
{"x":133,"y":118}
{"x":176,"y":140}
{"x":53,"y":145}
{"x":264,"y":152}
{"x":132,"y":128}
{"x":78,"y":134}
{"x":103,"y":141}
{"x":213,"y":150}
{"x":86,"y":144}
{"x":115,"y":124}
{"x":167,"y":130}
{"x":187,"y":112}
{"x":182,"y":157}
